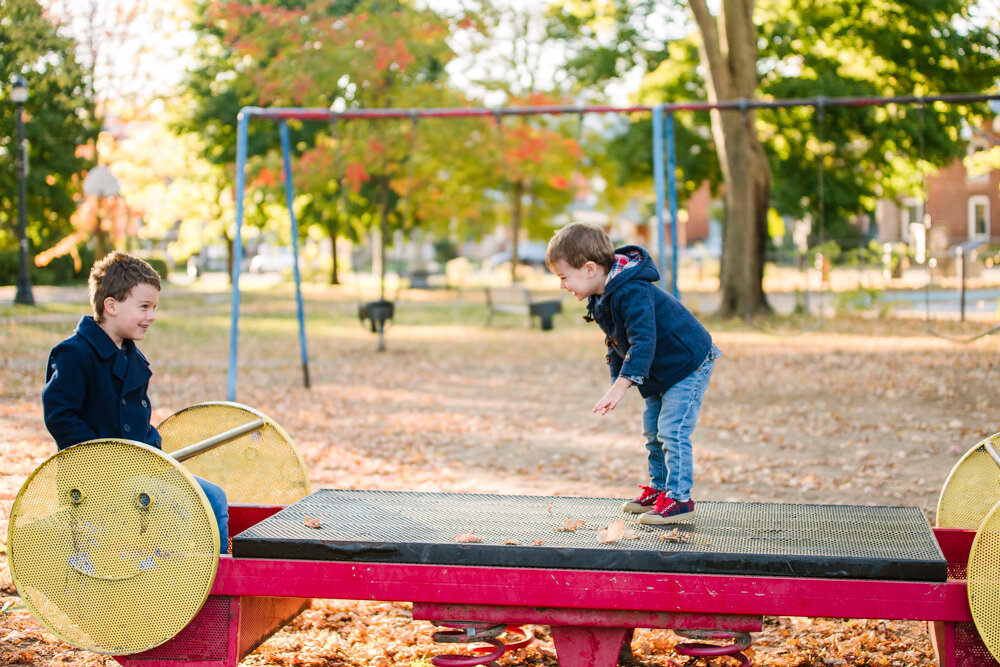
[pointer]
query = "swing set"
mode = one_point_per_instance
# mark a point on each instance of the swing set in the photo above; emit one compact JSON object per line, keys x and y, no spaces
{"x":664,"y":179}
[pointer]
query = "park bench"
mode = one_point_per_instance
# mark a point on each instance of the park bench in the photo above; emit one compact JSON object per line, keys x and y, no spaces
{"x":521,"y":300}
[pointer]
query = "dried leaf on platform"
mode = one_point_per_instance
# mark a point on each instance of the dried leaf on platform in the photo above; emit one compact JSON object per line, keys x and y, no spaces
{"x":570,"y":525}
{"x":674,"y":536}
{"x":312,"y":523}
{"x":616,"y":530}
{"x":468,"y":537}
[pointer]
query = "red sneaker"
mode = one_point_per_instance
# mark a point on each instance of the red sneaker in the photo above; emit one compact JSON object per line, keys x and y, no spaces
{"x":643,"y":502}
{"x":668,"y":510}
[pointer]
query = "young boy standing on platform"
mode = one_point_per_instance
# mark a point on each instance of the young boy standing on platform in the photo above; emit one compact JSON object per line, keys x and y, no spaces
{"x":654,"y":342}
{"x":96,"y":381}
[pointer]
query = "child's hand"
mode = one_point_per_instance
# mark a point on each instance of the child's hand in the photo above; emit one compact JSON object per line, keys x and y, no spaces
{"x":612,"y":396}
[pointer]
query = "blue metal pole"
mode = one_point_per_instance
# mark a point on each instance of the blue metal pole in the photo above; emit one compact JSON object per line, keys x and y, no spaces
{"x":242,"y":122}
{"x":672,"y":190}
{"x":658,"y":185}
{"x":286,"y":155}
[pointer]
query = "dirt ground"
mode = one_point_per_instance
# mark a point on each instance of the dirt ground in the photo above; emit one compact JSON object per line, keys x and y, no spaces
{"x":858,"y":411}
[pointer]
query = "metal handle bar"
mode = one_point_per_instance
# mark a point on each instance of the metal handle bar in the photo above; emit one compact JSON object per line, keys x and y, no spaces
{"x":185,"y":453}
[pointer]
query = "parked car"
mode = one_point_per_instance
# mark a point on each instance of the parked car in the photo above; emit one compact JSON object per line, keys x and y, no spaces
{"x":274,"y":261}
{"x":211,"y":258}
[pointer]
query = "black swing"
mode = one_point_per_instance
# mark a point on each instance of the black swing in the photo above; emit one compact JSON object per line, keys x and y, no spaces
{"x":375,"y":314}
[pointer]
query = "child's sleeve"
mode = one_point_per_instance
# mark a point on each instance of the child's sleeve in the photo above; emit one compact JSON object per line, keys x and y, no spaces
{"x":62,"y":400}
{"x":639,"y":315}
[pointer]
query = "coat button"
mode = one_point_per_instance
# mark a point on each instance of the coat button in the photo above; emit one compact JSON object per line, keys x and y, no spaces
{"x":127,"y":428}
{"x":123,"y":401}
{"x":144,"y":404}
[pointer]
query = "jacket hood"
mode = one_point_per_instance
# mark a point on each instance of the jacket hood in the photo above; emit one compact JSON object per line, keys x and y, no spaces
{"x":645,"y":269}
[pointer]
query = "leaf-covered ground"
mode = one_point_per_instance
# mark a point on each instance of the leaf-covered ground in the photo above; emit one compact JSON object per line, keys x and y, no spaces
{"x":858,"y":411}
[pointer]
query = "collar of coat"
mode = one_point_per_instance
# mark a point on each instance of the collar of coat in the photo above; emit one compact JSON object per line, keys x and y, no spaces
{"x":105,"y":348}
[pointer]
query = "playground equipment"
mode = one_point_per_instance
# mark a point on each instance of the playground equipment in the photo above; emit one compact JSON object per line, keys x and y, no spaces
{"x":101,"y":529}
{"x":124,"y":538}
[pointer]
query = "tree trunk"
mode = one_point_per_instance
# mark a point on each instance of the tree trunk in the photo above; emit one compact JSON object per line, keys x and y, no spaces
{"x":334,"y":273}
{"x":729,"y":52}
{"x":516,"y":195}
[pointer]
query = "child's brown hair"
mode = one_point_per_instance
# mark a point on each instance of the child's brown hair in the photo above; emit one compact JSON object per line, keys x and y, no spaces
{"x":578,"y":243}
{"x":115,"y":276}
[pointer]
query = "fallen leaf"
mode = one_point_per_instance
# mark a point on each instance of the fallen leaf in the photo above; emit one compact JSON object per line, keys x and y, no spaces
{"x":615,"y":531}
{"x":312,"y":523}
{"x":571,"y":525}
{"x":674,"y":536}
{"x":468,"y":537}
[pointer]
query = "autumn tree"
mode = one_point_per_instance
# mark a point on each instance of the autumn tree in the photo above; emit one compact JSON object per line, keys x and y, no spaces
{"x":367,"y":54}
{"x":538,"y":157}
{"x":57,"y":117}
{"x":128,"y":54}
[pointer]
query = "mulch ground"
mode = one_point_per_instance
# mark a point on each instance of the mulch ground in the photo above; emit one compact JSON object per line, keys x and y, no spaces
{"x":858,"y":411}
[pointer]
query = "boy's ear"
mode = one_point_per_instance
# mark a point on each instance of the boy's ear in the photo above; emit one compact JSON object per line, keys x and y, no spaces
{"x":110,"y":306}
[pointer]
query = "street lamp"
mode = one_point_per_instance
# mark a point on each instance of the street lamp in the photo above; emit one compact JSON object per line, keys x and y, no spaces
{"x":19,"y":95}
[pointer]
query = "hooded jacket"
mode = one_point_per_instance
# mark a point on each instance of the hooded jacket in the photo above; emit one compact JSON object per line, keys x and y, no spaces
{"x":94,"y":389}
{"x":650,"y":335}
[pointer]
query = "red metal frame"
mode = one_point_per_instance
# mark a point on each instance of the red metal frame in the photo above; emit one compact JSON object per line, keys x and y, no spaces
{"x":591,"y":612}
{"x":590,"y":589}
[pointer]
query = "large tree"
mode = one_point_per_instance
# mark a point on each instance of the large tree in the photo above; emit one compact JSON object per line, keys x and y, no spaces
{"x":58,"y":119}
{"x":807,"y":49}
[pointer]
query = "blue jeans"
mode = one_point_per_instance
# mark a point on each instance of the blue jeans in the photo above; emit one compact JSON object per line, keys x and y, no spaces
{"x":667,"y":424}
{"x":220,"y":507}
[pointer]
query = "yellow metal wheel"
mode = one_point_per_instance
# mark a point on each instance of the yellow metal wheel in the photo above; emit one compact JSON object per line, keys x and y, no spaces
{"x":260,"y":468}
{"x":983,"y":581}
{"x":972,"y":487}
{"x":113,"y":546}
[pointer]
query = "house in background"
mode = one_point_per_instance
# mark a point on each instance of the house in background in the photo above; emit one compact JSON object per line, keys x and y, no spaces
{"x":961,"y":207}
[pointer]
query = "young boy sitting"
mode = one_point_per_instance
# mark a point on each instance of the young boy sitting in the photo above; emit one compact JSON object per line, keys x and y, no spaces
{"x":654,"y":342}
{"x":96,"y":381}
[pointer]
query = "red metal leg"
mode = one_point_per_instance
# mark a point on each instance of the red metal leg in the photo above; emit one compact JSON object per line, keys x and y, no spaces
{"x":222,"y":633}
{"x":587,"y":646}
{"x":959,"y":645}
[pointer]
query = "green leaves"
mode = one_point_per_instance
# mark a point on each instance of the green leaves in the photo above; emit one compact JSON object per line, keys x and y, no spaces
{"x":58,"y":118}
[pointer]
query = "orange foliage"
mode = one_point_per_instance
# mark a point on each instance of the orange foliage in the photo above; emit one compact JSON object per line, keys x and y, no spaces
{"x":355,"y":175}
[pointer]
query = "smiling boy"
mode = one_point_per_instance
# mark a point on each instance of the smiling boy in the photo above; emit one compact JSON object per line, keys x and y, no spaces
{"x":653,"y":342}
{"x":97,"y":380}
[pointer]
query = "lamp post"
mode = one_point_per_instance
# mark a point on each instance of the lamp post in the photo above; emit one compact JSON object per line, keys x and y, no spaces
{"x":19,"y":95}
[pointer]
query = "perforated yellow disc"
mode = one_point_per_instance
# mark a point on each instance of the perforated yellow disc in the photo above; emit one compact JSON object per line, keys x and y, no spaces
{"x":113,"y":546}
{"x":972,"y":487}
{"x":262,"y":467}
{"x":983,"y":580}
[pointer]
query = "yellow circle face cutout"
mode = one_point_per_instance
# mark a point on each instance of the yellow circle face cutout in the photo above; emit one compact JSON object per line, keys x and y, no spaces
{"x":262,"y":467}
{"x":983,"y":581}
{"x":113,"y":546}
{"x":972,"y":487}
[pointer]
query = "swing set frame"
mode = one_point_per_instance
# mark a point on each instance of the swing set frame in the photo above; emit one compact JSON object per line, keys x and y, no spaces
{"x":664,"y":175}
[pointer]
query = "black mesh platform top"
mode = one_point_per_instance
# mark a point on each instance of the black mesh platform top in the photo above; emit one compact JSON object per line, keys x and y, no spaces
{"x":769,"y":539}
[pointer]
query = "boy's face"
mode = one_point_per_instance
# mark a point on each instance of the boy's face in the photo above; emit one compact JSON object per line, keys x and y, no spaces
{"x":129,"y":319}
{"x":582,"y":282}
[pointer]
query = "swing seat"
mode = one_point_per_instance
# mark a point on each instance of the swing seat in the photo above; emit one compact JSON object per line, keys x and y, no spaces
{"x":377,"y":313}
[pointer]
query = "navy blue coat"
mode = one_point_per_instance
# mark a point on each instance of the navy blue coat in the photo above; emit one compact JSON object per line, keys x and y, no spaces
{"x":93,"y":389}
{"x":649,"y":333}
